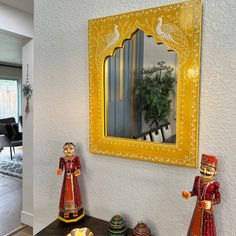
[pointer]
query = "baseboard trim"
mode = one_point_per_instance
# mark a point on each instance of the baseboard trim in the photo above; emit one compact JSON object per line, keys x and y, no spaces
{"x":27,"y":218}
{"x":16,"y":230}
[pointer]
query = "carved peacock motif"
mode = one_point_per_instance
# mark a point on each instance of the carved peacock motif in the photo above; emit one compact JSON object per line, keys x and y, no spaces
{"x":104,"y":42}
{"x":112,"y":38}
{"x":173,"y":35}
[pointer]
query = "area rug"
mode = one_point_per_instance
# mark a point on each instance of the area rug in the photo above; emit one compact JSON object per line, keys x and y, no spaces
{"x":11,"y":168}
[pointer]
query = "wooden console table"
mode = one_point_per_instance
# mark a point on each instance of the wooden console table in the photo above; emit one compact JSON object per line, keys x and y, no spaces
{"x":58,"y":228}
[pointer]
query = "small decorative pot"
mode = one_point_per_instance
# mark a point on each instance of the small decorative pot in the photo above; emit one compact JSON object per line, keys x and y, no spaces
{"x":117,"y":226}
{"x":141,"y":229}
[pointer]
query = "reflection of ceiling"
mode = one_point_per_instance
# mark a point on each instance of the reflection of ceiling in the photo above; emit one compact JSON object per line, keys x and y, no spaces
{"x":24,"y":5}
{"x":154,"y":53}
{"x":10,"y":48}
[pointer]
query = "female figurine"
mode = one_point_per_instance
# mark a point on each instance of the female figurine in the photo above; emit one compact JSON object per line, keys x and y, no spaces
{"x":70,"y":202}
{"x":207,"y":191}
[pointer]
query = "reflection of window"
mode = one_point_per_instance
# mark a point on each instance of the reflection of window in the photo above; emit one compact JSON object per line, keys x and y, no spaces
{"x":9,"y":105}
{"x":121,"y":74}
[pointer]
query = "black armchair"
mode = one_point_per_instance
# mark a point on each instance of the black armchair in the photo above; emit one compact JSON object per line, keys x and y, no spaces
{"x":9,"y":134}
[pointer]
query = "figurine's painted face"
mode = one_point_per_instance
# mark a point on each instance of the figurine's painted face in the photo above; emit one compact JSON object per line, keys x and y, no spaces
{"x":207,"y":172}
{"x":69,"y":150}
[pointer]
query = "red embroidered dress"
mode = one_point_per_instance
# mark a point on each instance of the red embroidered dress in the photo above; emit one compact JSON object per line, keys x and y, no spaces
{"x":202,"y":223}
{"x":70,"y":194}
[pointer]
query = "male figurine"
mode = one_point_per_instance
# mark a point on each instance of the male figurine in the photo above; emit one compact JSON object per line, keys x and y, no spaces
{"x":207,"y":191}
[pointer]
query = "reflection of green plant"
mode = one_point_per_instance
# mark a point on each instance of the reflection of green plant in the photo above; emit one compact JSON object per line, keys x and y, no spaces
{"x":153,"y":93}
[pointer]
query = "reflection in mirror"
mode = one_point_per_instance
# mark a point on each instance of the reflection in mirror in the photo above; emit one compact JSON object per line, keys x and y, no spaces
{"x":140,"y":91}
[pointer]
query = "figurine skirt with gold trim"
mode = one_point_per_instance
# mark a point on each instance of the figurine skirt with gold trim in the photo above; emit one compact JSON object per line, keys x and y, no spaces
{"x":70,"y":200}
{"x":202,"y":223}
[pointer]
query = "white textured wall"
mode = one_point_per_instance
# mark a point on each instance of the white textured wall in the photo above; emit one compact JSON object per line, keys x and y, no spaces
{"x":137,"y":190}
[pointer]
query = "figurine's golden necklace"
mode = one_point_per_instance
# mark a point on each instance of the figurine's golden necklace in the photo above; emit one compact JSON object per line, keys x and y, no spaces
{"x":69,"y":159}
{"x":206,"y":180}
{"x":204,"y":190}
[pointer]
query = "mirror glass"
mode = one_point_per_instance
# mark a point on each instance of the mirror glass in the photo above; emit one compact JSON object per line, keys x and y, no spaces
{"x":140,"y":91}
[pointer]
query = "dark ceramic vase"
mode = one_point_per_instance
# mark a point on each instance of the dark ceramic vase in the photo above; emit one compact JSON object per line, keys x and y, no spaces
{"x":117,"y":226}
{"x":141,"y":229}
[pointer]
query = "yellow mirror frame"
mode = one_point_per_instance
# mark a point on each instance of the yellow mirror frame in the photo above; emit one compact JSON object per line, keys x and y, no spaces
{"x":181,"y":32}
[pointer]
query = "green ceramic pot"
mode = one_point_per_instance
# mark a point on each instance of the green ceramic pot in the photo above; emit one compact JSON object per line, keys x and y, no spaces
{"x":117,"y":226}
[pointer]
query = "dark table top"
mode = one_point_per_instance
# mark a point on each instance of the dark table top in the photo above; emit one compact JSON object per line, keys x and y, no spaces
{"x":59,"y":228}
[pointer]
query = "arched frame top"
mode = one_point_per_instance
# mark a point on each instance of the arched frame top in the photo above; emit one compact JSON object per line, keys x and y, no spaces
{"x":178,"y":27}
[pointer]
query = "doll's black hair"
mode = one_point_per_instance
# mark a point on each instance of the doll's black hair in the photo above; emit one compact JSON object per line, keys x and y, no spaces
{"x":68,"y":143}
